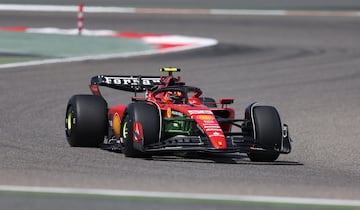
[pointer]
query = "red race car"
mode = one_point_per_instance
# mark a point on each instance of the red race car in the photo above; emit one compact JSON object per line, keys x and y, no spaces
{"x":171,"y":117}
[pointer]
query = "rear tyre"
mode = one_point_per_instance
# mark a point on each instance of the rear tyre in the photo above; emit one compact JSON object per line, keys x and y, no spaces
{"x":268,"y":134}
{"x":86,"y":121}
{"x":146,"y":118}
{"x":209,"y":102}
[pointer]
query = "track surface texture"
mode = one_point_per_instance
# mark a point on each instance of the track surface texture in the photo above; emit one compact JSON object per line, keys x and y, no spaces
{"x":308,"y":67}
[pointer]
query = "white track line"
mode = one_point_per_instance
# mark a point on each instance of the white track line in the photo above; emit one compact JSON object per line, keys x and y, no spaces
{"x":99,"y":9}
{"x":194,"y":196}
{"x":189,"y":44}
{"x":59,"y":8}
{"x":247,"y":12}
{"x":95,"y":57}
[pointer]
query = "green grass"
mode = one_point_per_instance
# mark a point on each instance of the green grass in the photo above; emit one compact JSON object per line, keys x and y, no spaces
{"x":21,"y":47}
{"x":15,"y":59}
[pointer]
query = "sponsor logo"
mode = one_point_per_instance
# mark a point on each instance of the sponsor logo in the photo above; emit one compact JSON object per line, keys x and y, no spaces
{"x":210,"y":122}
{"x":205,"y":117}
{"x":214,"y":129}
{"x":125,"y":130}
{"x":130,"y":80}
{"x":138,"y":132}
{"x":200,"y":112}
{"x":211,"y":126}
{"x":215,"y":134}
{"x":176,"y":113}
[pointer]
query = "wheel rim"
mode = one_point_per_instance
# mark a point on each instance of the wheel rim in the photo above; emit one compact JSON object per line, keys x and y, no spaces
{"x":125,"y":130}
{"x":69,"y":121}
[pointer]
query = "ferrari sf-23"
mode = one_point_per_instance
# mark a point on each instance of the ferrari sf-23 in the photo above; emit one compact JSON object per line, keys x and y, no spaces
{"x":166,"y":116}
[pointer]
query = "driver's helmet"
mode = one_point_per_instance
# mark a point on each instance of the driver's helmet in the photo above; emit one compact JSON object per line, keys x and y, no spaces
{"x":175,"y":97}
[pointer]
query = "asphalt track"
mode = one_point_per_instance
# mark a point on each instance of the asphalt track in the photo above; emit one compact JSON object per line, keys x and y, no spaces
{"x":308,"y":67}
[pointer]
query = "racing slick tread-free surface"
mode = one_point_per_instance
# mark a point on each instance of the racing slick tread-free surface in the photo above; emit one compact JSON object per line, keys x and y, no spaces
{"x":268,"y":133}
{"x":88,"y":116}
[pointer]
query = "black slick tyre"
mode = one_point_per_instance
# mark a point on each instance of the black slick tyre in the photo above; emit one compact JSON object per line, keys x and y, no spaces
{"x":268,"y":134}
{"x":146,"y":117}
{"x":127,"y":134}
{"x":86,"y":121}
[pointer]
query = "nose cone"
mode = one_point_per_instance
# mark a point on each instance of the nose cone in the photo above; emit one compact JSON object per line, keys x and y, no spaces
{"x":206,"y":120}
{"x":218,"y":140}
{"x":212,"y":129}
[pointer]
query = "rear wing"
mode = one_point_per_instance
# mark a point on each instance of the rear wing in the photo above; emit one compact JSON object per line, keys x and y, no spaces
{"x":130,"y":83}
{"x":126,"y":83}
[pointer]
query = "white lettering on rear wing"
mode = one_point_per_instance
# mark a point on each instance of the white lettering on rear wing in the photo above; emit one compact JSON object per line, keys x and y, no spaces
{"x":128,"y":83}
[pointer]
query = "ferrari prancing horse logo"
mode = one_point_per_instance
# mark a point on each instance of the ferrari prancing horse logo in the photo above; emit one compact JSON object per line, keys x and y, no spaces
{"x":168,"y":113}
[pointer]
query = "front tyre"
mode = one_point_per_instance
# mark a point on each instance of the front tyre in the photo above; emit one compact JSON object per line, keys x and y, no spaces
{"x":86,"y":121}
{"x":140,"y":128}
{"x":268,"y":134}
{"x":127,"y":135}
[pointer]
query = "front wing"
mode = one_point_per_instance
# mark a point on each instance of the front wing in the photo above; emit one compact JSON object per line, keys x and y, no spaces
{"x":183,"y":143}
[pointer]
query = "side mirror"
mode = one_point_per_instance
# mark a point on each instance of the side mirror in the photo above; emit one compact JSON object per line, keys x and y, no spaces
{"x":226,"y":101}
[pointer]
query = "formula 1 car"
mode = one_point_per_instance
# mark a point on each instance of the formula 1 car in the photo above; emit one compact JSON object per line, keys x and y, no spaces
{"x":171,"y":117}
